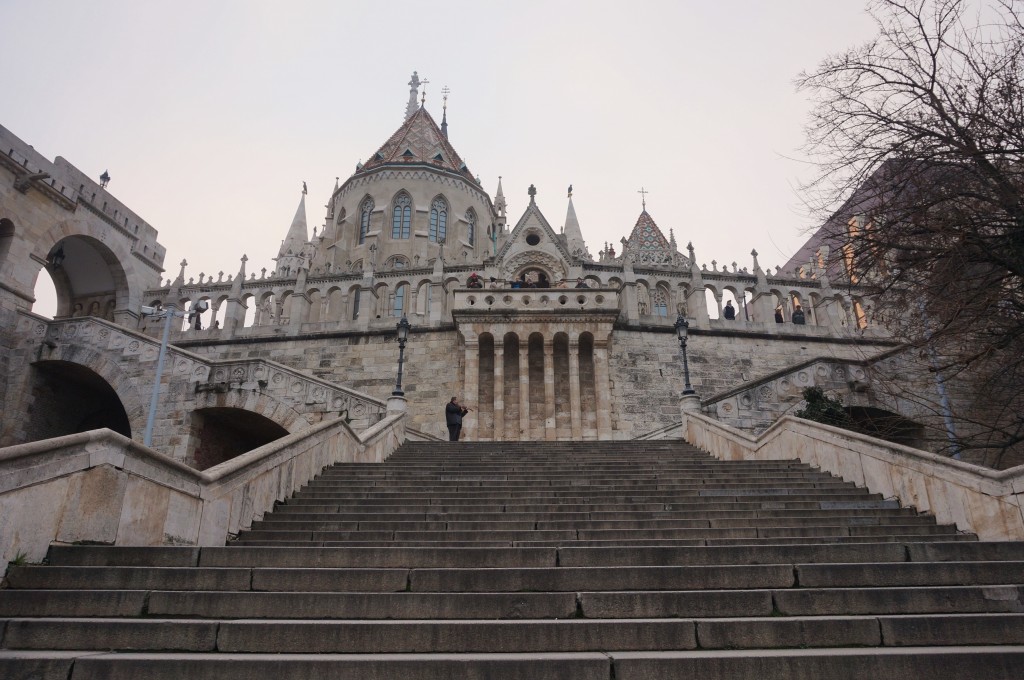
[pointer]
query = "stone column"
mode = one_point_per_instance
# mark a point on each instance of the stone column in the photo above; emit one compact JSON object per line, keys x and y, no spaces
{"x":576,"y":409}
{"x":550,"y":432}
{"x":499,"y":390}
{"x":524,"y":389}
{"x":602,"y":389}
{"x":471,"y":390}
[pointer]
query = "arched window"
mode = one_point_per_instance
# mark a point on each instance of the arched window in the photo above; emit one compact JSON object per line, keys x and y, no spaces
{"x":364,"y":219}
{"x":355,"y":304}
{"x":659,"y":302}
{"x":471,"y":228}
{"x":438,"y":220}
{"x":401,"y":217}
{"x":398,"y":300}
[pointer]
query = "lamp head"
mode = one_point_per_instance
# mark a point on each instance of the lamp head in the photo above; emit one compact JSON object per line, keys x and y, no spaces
{"x":682,"y":326}
{"x":403,"y":329}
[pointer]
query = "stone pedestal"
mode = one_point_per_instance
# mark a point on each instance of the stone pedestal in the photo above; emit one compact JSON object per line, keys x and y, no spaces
{"x":397,"y":405}
{"x":687,"y":403}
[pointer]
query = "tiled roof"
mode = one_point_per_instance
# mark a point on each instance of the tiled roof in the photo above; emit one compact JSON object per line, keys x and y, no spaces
{"x":646,"y":236}
{"x":419,"y":140}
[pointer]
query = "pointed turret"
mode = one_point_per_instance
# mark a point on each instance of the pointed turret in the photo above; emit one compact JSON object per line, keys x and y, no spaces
{"x":290,"y":257}
{"x":573,"y":235}
{"x":499,"y":200}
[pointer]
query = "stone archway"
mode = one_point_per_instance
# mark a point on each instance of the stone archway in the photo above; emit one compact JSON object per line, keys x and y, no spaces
{"x":218,"y":434}
{"x":89,"y":278}
{"x":65,"y":397}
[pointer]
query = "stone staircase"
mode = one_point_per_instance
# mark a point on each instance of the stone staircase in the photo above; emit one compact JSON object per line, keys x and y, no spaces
{"x":536,"y":561}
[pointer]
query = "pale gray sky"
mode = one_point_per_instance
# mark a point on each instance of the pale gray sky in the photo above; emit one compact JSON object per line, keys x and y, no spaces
{"x":209,"y":115}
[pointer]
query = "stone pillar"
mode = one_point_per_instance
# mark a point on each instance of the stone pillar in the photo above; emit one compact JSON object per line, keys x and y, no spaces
{"x":524,"y":389}
{"x":471,"y":390}
{"x":499,"y":390}
{"x":550,"y":432}
{"x":574,"y":389}
{"x":602,"y":388}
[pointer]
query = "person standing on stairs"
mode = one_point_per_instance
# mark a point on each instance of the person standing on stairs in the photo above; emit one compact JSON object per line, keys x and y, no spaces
{"x":453,"y":413}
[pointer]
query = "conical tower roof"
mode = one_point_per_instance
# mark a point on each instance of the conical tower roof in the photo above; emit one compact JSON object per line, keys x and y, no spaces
{"x":295,"y":241}
{"x":573,"y":235}
{"x":419,"y":141}
{"x":646,"y":235}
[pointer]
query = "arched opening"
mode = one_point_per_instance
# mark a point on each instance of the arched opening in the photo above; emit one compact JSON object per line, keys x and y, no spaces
{"x":87,"y":277}
{"x":67,"y":398}
{"x":6,"y":239}
{"x":218,"y":434}
{"x":886,"y":425}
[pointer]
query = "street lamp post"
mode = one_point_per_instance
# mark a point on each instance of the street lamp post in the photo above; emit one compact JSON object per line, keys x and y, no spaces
{"x":403,"y":336}
{"x":682,"y":326}
{"x":168,"y":314}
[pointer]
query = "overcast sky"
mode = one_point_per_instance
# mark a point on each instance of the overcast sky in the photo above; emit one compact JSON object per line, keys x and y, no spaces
{"x":209,"y":115}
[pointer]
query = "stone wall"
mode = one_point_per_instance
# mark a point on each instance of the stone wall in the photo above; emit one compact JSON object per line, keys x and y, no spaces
{"x":647,"y":369}
{"x":368,"y":362}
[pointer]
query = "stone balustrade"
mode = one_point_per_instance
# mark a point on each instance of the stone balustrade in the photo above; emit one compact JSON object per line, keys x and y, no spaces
{"x":528,"y":301}
{"x":100,"y":487}
{"x":989,"y":503}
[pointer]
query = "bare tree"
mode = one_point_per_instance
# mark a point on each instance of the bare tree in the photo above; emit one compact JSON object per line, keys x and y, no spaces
{"x":921,"y":132}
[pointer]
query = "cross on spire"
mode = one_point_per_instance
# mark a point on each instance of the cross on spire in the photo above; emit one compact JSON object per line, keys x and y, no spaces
{"x":445,"y":91}
{"x":643,"y":197}
{"x":423,"y":100}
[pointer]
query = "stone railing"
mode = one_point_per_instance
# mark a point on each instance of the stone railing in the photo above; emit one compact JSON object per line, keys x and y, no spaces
{"x":978,"y":500}
{"x":529,"y":301}
{"x":100,"y":487}
{"x":303,"y":392}
{"x":757,"y":404}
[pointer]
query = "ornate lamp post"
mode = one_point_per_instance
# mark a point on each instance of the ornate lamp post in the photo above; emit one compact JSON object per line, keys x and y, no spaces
{"x":403,"y":336}
{"x":682,"y":326}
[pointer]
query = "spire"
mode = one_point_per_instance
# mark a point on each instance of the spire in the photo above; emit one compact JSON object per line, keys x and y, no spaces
{"x":499,"y":200}
{"x":444,"y":114}
{"x":295,"y":241}
{"x":573,"y":236}
{"x":414,"y":87}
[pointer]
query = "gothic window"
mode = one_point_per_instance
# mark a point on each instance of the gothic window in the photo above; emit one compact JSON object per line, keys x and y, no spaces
{"x":438,"y":220}
{"x":401,"y":216}
{"x":364,"y":219}
{"x":355,"y":304}
{"x":471,"y":228}
{"x":398,"y":301}
{"x":659,"y":302}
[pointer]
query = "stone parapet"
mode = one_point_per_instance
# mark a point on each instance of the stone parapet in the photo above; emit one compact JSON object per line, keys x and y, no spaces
{"x":978,"y":500}
{"x":100,"y":487}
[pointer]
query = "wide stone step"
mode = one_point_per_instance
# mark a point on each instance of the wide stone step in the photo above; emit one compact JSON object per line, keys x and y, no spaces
{"x":574,"y":635}
{"x":984,"y":662}
{"x":435,"y":557}
{"x":604,"y":604}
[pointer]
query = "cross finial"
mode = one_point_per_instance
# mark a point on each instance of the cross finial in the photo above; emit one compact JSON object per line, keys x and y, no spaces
{"x":445,"y":91}
{"x":423,"y":99}
{"x":643,"y":197}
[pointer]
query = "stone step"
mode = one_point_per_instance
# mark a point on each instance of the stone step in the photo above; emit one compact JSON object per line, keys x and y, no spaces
{"x":462,"y":636}
{"x":997,"y":661}
{"x":433,"y":557}
{"x":604,"y":604}
{"x":580,"y":521}
{"x":786,"y":540}
{"x":514,"y":580}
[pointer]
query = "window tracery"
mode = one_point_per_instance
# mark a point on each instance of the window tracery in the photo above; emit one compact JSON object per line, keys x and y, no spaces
{"x":364,"y":219}
{"x":401,"y":217}
{"x":438,"y":220}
